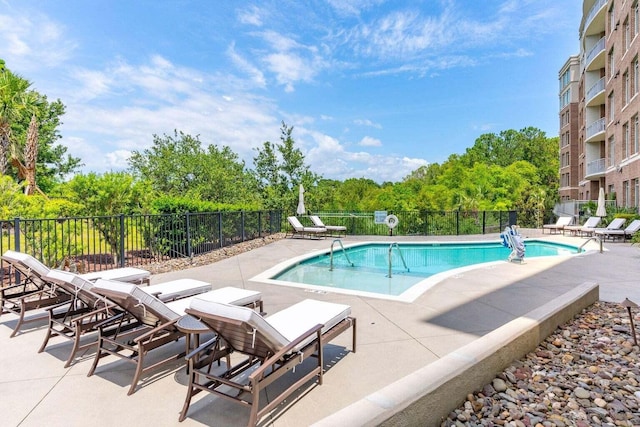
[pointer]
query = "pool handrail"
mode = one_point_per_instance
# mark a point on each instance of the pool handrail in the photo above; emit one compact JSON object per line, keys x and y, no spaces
{"x":401,"y":256}
{"x":343,"y":251}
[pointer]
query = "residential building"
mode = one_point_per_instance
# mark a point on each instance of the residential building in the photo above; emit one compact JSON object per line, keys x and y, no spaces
{"x":599,"y":127}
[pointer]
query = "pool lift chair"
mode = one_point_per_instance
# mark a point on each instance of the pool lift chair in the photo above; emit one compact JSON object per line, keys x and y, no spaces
{"x":512,"y":239}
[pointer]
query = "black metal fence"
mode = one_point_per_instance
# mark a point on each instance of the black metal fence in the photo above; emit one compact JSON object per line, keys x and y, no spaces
{"x":99,"y":243}
{"x":425,"y":223}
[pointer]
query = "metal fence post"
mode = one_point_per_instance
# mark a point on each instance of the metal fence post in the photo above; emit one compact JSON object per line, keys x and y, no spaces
{"x":187,"y":217}
{"x":243,"y":231}
{"x":16,"y":241}
{"x":484,"y":222}
{"x":16,"y":233}
{"x":122,"y":260}
{"x":457,"y":223}
{"x":221,"y":237}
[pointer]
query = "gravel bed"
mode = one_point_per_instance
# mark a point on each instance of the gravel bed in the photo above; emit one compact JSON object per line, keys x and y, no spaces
{"x":213,"y":256}
{"x":585,"y":374}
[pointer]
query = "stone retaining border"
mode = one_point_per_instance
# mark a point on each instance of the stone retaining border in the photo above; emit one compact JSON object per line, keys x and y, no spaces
{"x":427,"y":396}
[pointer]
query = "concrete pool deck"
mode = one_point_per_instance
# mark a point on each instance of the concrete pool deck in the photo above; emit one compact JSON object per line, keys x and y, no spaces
{"x":402,"y":347}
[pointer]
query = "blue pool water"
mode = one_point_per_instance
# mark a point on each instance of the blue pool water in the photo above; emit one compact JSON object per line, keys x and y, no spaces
{"x":370,"y":270}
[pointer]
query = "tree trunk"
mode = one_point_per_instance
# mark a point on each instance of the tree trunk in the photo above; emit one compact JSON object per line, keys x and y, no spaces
{"x":30,"y":156}
{"x":4,"y":147}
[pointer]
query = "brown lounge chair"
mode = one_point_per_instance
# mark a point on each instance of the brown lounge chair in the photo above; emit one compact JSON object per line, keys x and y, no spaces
{"x":34,"y":291}
{"x":155,"y":323}
{"x":339,"y":230}
{"x":301,"y":230}
{"x":88,"y":309}
{"x":274,"y":345}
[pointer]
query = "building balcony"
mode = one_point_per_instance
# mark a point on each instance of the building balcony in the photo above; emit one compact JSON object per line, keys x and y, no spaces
{"x":595,"y":131}
{"x":596,"y":169}
{"x":595,"y":94}
{"x":594,"y":23}
{"x":594,"y":59}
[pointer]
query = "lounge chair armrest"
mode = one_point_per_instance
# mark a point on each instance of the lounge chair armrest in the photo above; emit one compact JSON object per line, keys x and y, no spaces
{"x":203,"y":347}
{"x":286,"y":349}
{"x":152,"y":332}
{"x":23,"y":293}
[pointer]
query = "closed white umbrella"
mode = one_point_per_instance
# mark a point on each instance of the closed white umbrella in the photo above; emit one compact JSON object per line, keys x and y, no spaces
{"x":301,"y":210}
{"x":601,"y":211}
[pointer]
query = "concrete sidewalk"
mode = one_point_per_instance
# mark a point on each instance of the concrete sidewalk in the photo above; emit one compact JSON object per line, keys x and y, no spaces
{"x":395,"y":339}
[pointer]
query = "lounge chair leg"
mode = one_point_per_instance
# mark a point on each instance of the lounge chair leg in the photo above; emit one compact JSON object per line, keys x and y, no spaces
{"x":98,"y":356}
{"x":20,"y":321}
{"x":46,"y":338}
{"x":76,"y":344}
{"x":187,"y":401}
{"x":139,"y":370}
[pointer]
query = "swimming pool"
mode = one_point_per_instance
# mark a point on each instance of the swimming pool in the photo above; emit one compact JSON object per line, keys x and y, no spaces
{"x":364,"y":268}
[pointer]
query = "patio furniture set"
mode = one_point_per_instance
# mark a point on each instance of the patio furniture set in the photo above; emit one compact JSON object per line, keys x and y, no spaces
{"x":118,"y":316}
{"x":613,"y":230}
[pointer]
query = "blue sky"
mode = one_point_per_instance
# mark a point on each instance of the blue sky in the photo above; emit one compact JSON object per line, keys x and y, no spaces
{"x":373,"y":88}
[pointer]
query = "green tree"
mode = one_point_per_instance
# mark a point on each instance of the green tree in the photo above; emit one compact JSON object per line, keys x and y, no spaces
{"x":279,"y":169}
{"x":178,"y":165}
{"x":14,"y":103}
{"x":104,"y":197}
{"x":29,"y":135}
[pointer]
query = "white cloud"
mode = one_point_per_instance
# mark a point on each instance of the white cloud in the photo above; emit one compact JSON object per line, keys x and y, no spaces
{"x":367,"y":122}
{"x":329,"y":157}
{"x":368,"y":141}
{"x":251,"y":16}
{"x":244,"y":65}
{"x":31,"y":42}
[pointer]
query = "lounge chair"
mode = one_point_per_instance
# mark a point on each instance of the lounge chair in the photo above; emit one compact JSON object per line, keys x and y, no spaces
{"x":301,"y":230}
{"x":559,"y":225}
{"x":88,"y":309}
{"x":617,"y":233}
{"x":274,"y":345}
{"x":333,"y":229}
{"x":585,"y":229}
{"x":615,"y":224}
{"x":35,"y":292}
{"x":154,"y":325}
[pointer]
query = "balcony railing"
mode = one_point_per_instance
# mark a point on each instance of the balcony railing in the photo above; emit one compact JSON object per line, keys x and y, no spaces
{"x":595,"y":50}
{"x":596,"y":167}
{"x":595,"y":89}
{"x":594,"y":11}
{"x":596,"y":127}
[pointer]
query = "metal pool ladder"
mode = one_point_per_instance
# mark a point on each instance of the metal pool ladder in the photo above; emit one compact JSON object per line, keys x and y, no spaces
{"x":401,"y":257}
{"x":343,"y":251}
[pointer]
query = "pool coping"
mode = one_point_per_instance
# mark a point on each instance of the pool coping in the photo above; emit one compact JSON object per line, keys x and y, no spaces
{"x":412,"y":293}
{"x":428,"y":395}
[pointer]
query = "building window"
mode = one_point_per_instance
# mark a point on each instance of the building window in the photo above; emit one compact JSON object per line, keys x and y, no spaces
{"x":611,"y":106}
{"x":627,"y":87}
{"x":636,"y":17}
{"x":636,"y":192}
{"x":612,"y":18}
{"x":636,"y":76}
{"x":611,"y":161}
{"x":611,"y":63}
{"x":626,"y":194}
{"x":626,"y":141}
{"x":627,"y":34}
{"x":636,"y":134}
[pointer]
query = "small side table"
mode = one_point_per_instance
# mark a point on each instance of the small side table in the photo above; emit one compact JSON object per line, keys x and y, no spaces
{"x":192,"y":328}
